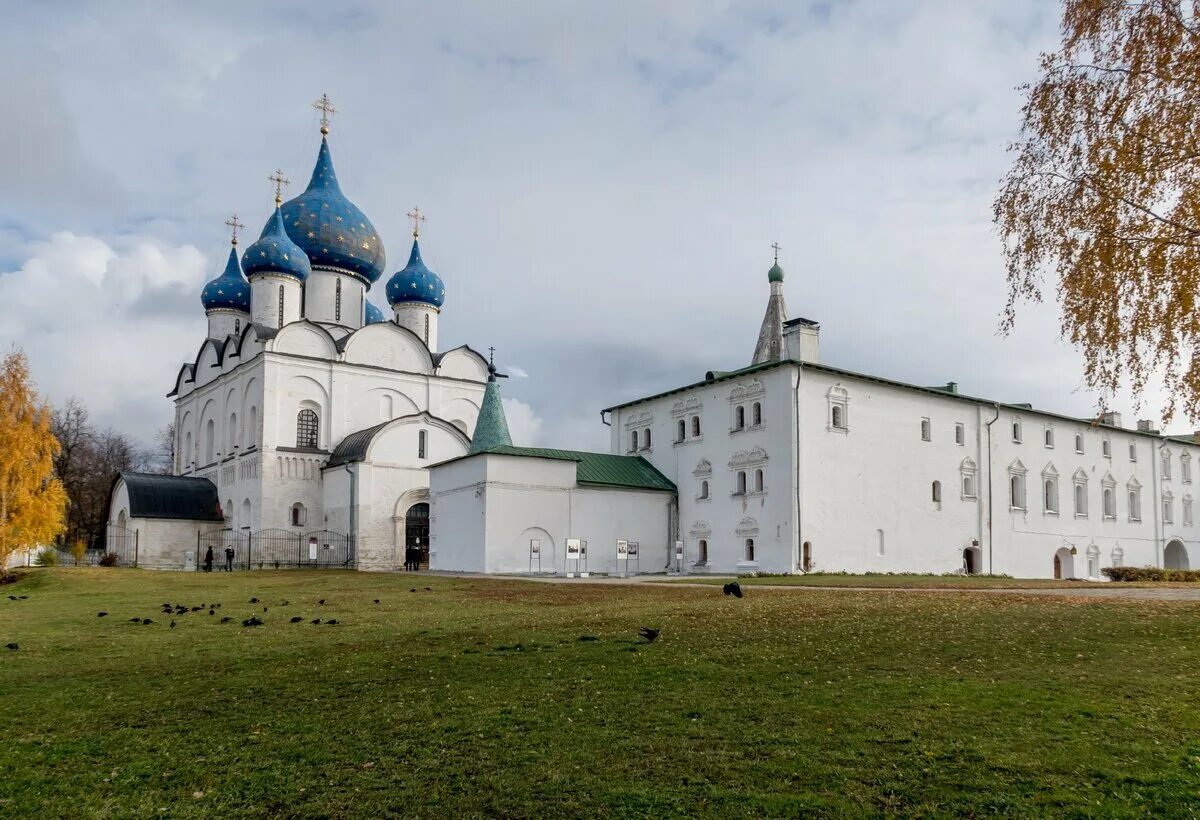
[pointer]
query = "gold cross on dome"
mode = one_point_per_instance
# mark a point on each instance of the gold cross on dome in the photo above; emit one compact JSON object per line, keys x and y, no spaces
{"x":775,"y":247}
{"x":280,"y":181}
{"x":234,"y":227}
{"x":417,"y":217}
{"x":326,"y":108}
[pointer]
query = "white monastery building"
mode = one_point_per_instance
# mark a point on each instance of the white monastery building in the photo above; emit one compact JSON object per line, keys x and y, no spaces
{"x":313,"y":430}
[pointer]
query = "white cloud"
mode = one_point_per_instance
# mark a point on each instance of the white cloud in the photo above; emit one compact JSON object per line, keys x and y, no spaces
{"x":524,"y":426}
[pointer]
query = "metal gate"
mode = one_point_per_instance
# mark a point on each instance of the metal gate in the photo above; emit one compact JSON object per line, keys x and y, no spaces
{"x":122,"y":543}
{"x":286,"y":549}
{"x":220,"y":540}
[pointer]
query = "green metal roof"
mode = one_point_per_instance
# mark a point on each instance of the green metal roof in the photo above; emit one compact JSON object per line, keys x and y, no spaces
{"x":593,"y":469}
{"x":491,"y":428}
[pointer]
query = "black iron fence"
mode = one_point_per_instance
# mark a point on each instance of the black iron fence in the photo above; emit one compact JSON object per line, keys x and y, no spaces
{"x":120,"y":547}
{"x":275,"y":549}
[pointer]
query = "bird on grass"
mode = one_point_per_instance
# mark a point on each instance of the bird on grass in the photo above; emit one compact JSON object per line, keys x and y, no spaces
{"x":733,"y":588}
{"x":331,"y":622}
{"x":146,"y":621}
{"x":23,"y":597}
{"x":101,"y":614}
{"x":12,"y":646}
{"x":12,"y":597}
{"x":135,"y":620}
{"x":212,"y":612}
{"x":297,"y":619}
{"x":284,"y":603}
{"x":428,"y":589}
{"x":226,"y":619}
{"x":172,"y":624}
{"x":315,"y":621}
{"x":649,"y":633}
{"x":414,"y":589}
{"x":321,"y":602}
{"x":376,"y":600}
{"x":254,"y":600}
{"x":264,"y":609}
{"x":253,"y":620}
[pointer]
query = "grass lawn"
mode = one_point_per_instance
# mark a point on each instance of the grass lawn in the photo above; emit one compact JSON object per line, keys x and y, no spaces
{"x":900,"y":581}
{"x":480,"y":698}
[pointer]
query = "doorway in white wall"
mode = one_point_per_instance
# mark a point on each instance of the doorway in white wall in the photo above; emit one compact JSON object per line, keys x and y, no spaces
{"x":1175,"y":555}
{"x":1064,"y":564}
{"x":972,"y":561}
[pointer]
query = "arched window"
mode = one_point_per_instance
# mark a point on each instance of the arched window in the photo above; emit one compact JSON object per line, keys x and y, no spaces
{"x":281,"y":305}
{"x":633,"y":441}
{"x":299,"y":515}
{"x":702,"y":551}
{"x":337,"y":301}
{"x":1135,"y":504}
{"x":1080,"y":499}
{"x":1016,"y":492}
{"x":307,"y":429}
{"x":1079,"y":442}
{"x":233,"y":433}
{"x":756,"y":413}
{"x":1050,"y":495}
{"x":1016,"y":431}
{"x":758,"y":481}
{"x":749,"y":549}
{"x":646,"y":439}
{"x":1049,"y":437}
{"x":421,"y":444}
{"x":1110,"y":503}
{"x":740,"y":487}
{"x":188,"y":456}
{"x":682,"y":431}
{"x":1166,"y":464}
{"x":252,"y":429}
{"x":937,"y":492}
{"x":739,"y":418}
{"x":1106,"y":448}
{"x":387,"y":409}
{"x":926,"y":432}
{"x":237,"y":326}
{"x":703,"y":489}
{"x":836,"y":418}
{"x":806,"y":556}
{"x":427,"y":330}
{"x":210,"y":442}
{"x":695,"y":427}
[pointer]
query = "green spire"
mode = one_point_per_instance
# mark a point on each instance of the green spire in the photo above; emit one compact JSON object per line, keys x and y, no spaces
{"x":491,"y":428}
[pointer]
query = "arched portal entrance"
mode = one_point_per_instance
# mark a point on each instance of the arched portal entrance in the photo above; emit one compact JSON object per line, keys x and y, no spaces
{"x":1175,"y":555}
{"x":1064,"y":564}
{"x":972,"y":565}
{"x":416,"y":532}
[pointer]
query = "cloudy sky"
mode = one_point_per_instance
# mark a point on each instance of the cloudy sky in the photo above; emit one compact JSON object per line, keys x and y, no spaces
{"x":602,"y":181}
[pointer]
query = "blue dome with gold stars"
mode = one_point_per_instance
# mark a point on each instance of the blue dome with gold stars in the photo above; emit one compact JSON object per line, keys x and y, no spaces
{"x":330,"y":229}
{"x":374,"y":314}
{"x":230,"y":290}
{"x":275,"y":253}
{"x":416,"y":283}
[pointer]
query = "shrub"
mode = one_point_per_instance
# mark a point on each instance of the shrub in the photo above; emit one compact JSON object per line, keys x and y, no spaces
{"x":109,"y":559}
{"x":1152,"y":574}
{"x":78,"y":550}
{"x":46,"y":558}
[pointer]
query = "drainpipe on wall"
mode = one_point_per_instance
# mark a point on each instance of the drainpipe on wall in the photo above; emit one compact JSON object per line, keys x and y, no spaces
{"x":1156,"y":502}
{"x":797,"y":544}
{"x":990,"y":494}
{"x":353,"y":503}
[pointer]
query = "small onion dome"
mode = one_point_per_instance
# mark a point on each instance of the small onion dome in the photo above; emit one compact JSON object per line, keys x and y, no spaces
{"x":330,"y":229}
{"x":374,"y":314}
{"x":229,"y":291}
{"x":416,"y":283}
{"x":775,"y":274}
{"x":275,"y":253}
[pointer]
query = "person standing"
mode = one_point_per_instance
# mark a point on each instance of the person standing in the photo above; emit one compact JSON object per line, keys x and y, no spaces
{"x":208,"y":560}
{"x":229,"y":559}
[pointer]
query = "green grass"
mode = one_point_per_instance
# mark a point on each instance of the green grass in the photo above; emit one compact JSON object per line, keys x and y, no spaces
{"x":908,"y":581}
{"x":479,"y":698}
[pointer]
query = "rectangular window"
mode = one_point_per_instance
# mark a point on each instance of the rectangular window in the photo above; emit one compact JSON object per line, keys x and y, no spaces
{"x":1049,"y":438}
{"x":925,"y":430}
{"x":1106,"y":448}
{"x":1187,"y":512}
{"x":1185,"y":469}
{"x":421,"y":444}
{"x":337,"y":303}
{"x":959,"y":434}
{"x":1079,"y":442}
{"x":1016,"y":432}
{"x":1133,"y":452}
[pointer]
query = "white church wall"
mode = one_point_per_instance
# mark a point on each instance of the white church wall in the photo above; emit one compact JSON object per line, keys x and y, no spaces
{"x":321,"y":298}
{"x":457,"y":509}
{"x":461,"y":363}
{"x":388,"y":346}
{"x":304,"y":339}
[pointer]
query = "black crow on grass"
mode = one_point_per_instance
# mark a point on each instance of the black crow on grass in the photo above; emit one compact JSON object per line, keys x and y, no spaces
{"x":297,"y":619}
{"x":12,"y":647}
{"x":253,"y":620}
{"x":649,"y":633}
{"x":733,"y":588}
{"x":101,"y":614}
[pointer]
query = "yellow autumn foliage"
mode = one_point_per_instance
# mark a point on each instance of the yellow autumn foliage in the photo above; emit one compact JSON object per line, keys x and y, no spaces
{"x":33,"y":503}
{"x":1104,"y":195}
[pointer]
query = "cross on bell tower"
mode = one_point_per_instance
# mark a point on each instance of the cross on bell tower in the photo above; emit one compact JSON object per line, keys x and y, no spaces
{"x":326,"y":108}
{"x":775,"y":247}
{"x":417,"y":217}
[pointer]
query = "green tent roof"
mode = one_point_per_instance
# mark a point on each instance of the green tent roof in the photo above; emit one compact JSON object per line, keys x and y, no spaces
{"x":491,"y":428}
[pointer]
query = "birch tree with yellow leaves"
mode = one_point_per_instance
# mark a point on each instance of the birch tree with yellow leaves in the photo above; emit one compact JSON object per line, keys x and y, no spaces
{"x":33,"y":503}
{"x":1103,"y":199}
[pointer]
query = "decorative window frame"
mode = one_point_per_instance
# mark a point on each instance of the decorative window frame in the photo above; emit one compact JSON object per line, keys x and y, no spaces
{"x":1118,"y":557}
{"x":1106,"y":447}
{"x":1133,"y":494}
{"x":1185,"y":468}
{"x":1017,"y":470}
{"x":1079,"y":480}
{"x":748,"y":526}
{"x":1050,"y":476}
{"x":838,"y":397}
{"x":1168,"y":507}
{"x":968,"y":470}
{"x":960,"y":434}
{"x":1166,"y":464}
{"x":1108,"y":484}
{"x":1187,"y":510}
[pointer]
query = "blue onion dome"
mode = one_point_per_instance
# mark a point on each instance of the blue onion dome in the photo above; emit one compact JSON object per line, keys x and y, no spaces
{"x":330,"y":229}
{"x":374,"y":314}
{"x":416,"y":283}
{"x":275,"y":252}
{"x":230,"y":290}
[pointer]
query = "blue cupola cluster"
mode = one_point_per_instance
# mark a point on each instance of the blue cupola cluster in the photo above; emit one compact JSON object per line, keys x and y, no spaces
{"x":230,"y":290}
{"x":374,"y":314}
{"x":330,"y":229}
{"x":416,"y":283}
{"x":275,"y":252}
